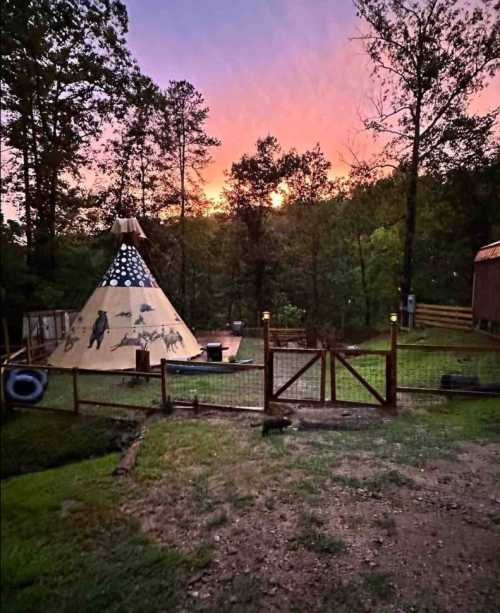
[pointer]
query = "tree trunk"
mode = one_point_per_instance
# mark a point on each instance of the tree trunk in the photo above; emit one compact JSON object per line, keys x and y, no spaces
{"x":52,"y":221}
{"x":27,"y":198}
{"x":411,"y":216}
{"x":182,"y":169}
{"x":364,"y":283}
{"x":315,"y":288}
{"x":143,"y":185}
{"x":259,"y":276}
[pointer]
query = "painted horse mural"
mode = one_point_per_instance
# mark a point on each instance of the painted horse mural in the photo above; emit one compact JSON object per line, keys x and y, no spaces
{"x":171,"y":339}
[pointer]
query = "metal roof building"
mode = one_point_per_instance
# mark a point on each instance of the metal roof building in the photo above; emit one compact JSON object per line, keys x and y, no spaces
{"x":486,"y":290}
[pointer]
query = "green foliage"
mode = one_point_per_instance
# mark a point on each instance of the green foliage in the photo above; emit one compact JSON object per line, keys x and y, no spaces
{"x":34,"y":441}
{"x":379,"y":585}
{"x":357,"y":262}
{"x":320,"y":542}
{"x":289,"y":316}
{"x":243,"y":594}
{"x":217,"y":521}
{"x":377,"y":483}
{"x":65,"y":64}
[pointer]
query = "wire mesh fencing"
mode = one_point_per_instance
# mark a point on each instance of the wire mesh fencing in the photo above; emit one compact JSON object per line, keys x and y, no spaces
{"x":118,"y":394}
{"x":235,"y":386}
{"x":371,"y":367}
{"x":286,"y":365}
{"x":449,"y":369}
{"x":322,"y":382}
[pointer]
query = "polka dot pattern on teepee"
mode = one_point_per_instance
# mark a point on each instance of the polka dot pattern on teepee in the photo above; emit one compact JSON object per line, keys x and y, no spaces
{"x":128,"y":270}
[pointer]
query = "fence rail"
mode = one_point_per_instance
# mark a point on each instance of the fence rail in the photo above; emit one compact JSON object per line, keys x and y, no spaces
{"x":442,"y":316}
{"x":335,"y":375}
{"x":239,"y":388}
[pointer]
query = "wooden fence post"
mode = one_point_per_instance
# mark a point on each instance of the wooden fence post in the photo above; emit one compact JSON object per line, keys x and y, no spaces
{"x":333,"y":380}
{"x":6,"y":337}
{"x":268,"y":365}
{"x":322,"y":392}
{"x":164,"y":398}
{"x":392,"y":366}
{"x":3,"y":404}
{"x":28,"y":345}
{"x":75,"y":390}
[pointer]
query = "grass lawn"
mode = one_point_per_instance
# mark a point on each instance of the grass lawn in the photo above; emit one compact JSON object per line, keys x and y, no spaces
{"x":67,"y":546}
{"x":218,"y":518}
{"x":32,"y":441}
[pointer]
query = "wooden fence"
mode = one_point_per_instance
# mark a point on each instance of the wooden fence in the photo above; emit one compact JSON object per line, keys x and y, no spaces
{"x":165,"y":399}
{"x":442,"y":316}
{"x":400,"y":368}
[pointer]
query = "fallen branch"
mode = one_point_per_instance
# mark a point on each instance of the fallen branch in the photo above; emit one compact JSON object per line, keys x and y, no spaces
{"x":340,"y":424}
{"x":129,"y":458}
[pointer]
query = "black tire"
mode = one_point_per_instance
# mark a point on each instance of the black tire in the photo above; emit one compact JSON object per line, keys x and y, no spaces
{"x":41,"y":375}
{"x":24,"y":388}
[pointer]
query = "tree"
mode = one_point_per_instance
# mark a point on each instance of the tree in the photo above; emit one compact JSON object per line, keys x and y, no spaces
{"x":431,"y":57}
{"x":131,"y":157}
{"x":64,"y":63}
{"x":307,"y":186}
{"x":186,"y":151}
{"x":250,"y":186}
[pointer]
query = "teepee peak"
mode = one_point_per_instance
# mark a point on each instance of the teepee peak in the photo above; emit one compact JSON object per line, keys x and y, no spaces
{"x":128,"y":269}
{"x":124,"y":226}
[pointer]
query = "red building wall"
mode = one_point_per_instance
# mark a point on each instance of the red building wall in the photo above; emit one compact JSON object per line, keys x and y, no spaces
{"x":486,"y":299}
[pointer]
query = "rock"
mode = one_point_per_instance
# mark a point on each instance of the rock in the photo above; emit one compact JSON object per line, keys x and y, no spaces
{"x":195,"y":578}
{"x":68,"y":506}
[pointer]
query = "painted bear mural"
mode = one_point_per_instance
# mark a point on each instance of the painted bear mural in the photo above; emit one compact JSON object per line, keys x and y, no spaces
{"x":98,"y":329}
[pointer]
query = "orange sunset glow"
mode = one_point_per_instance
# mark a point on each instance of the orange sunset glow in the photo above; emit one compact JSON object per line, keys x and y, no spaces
{"x":283,"y":67}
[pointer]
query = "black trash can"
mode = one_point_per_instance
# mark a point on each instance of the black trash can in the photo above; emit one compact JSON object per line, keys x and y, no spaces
{"x":214,"y":352}
{"x":237,"y":328}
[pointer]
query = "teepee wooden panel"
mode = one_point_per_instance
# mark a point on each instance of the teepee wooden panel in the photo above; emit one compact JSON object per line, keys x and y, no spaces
{"x":128,"y":311}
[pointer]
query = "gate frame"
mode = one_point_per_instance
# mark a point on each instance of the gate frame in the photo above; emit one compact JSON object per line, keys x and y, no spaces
{"x":340,"y":353}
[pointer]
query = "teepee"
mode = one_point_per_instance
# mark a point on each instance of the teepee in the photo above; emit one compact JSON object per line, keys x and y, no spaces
{"x":126,"y":312}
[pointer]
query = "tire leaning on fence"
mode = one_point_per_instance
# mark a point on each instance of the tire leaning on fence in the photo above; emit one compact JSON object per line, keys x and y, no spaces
{"x":25,"y":385}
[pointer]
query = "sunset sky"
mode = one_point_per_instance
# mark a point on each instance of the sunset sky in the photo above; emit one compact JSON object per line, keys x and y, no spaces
{"x":281,"y":67}
{"x":284,"y":67}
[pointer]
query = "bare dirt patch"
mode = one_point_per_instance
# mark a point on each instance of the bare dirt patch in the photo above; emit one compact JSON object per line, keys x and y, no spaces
{"x":299,"y":523}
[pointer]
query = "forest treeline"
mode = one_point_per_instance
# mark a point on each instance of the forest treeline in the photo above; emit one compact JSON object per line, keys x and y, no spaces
{"x":87,"y":137}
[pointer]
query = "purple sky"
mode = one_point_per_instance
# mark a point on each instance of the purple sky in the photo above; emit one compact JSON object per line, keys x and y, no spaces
{"x":281,"y":67}
{"x":284,"y":67}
